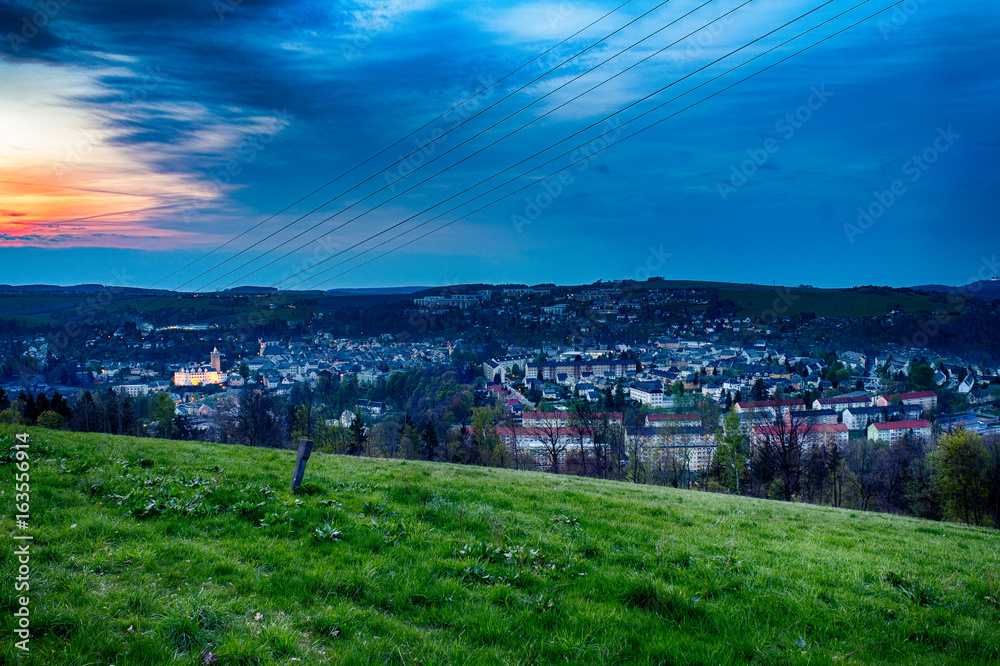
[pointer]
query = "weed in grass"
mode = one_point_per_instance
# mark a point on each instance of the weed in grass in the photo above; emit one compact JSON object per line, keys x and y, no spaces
{"x":375,"y":509}
{"x":479,"y":574}
{"x":327,"y":533}
{"x":565,"y":520}
{"x":541,"y":603}
{"x":395,"y":533}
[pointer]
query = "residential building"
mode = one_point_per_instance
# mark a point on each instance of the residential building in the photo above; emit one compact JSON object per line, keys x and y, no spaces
{"x":859,"y":418}
{"x":563,"y":419}
{"x":828,"y":434}
{"x":926,"y":399}
{"x":132,"y":390}
{"x":673,"y":420}
{"x":767,"y":408}
{"x":648,"y":393}
{"x":549,"y":370}
{"x":503,"y":366}
{"x":895,"y":430}
{"x":842,"y":402}
{"x":814,"y":416}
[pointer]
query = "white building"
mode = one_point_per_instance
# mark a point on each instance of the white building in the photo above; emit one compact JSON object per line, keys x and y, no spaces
{"x":132,"y":390}
{"x":648,"y":393}
{"x":896,"y":430}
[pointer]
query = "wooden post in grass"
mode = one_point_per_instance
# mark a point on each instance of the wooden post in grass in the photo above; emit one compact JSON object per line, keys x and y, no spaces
{"x":305,"y":448}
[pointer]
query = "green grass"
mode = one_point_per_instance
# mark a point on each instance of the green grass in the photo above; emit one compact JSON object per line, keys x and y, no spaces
{"x":149,"y":552}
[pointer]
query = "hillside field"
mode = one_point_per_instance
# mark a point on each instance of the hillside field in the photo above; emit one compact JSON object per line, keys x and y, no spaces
{"x":155,"y":552}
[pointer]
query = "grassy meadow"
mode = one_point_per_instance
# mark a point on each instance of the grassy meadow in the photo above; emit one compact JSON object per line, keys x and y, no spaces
{"x":155,"y":552}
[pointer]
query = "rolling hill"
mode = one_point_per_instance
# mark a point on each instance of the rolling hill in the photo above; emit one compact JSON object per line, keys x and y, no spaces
{"x":148,"y":552}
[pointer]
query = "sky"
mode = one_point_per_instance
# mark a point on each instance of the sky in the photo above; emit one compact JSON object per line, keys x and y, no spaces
{"x":180,"y":144}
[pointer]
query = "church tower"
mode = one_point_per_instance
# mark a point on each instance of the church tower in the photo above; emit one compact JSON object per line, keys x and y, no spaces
{"x":216,"y":359}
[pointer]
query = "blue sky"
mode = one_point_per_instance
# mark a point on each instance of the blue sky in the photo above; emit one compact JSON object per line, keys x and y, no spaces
{"x":136,"y":137}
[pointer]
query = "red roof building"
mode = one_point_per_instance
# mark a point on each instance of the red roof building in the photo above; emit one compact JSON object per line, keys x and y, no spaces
{"x":894,"y":430}
{"x":926,"y":399}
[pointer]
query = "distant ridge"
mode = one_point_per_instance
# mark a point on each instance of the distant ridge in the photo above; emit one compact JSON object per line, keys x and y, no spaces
{"x":77,"y":289}
{"x":249,"y":290}
{"x":375,"y":290}
{"x":988,"y":289}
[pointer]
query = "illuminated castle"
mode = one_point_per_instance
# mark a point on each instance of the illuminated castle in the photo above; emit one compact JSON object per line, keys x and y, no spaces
{"x":201,"y":374}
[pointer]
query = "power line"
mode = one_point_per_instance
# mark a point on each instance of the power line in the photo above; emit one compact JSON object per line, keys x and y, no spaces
{"x":590,"y":156}
{"x":596,"y":123}
{"x":475,"y":152}
{"x":422,"y":127}
{"x":868,"y":18}
{"x":403,"y":158}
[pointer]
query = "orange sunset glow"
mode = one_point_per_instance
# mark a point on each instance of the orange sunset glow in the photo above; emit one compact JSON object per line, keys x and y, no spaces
{"x":67,"y":179}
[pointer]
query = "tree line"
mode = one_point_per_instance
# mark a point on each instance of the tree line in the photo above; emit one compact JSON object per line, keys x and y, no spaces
{"x":951,"y":476}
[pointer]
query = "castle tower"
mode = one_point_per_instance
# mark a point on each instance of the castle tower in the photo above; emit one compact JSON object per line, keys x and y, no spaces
{"x":216,"y":359}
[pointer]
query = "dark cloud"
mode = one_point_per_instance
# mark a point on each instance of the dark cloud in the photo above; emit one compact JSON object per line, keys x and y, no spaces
{"x":26,"y":30}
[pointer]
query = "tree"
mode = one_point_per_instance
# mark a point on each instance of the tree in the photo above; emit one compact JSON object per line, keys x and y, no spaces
{"x":634,"y":442}
{"x":163,"y":414}
{"x":429,"y":439}
{"x":922,"y":496}
{"x":993,"y":478}
{"x":51,"y":420}
{"x":509,"y":423}
{"x":961,"y":462}
{"x":759,"y":390}
{"x":864,"y":473}
{"x":58,"y":405}
{"x":31,"y":410}
{"x":603,"y":431}
{"x":619,"y":401}
{"x":554,"y":441}
{"x":85,"y":414}
{"x":181,"y":428}
{"x":922,"y":375}
{"x":256,"y":421}
{"x":359,"y":434}
{"x":116,"y":414}
{"x":778,"y":446}
{"x":837,"y":473}
{"x":729,"y":464}
{"x":491,"y":452}
{"x":582,"y":421}
{"x":244,"y":371}
{"x":410,"y":444}
{"x":894,"y":468}
{"x":305,"y":423}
